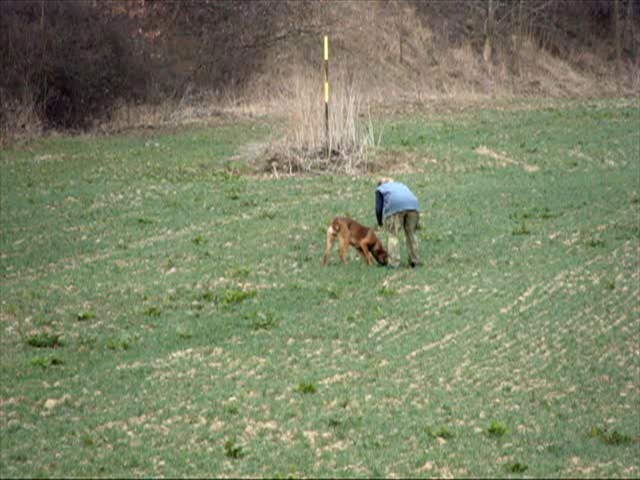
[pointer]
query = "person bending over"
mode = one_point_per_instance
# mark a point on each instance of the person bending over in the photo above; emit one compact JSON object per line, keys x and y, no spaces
{"x":397,"y":208}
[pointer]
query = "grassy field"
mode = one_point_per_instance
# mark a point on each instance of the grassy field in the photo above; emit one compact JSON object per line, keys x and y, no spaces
{"x":164,"y":312}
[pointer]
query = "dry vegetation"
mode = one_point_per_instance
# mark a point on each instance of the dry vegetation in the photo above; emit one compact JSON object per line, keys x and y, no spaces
{"x":187,"y":61}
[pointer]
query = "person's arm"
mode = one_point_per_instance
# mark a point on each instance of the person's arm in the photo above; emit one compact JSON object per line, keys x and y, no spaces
{"x":379,"y":203}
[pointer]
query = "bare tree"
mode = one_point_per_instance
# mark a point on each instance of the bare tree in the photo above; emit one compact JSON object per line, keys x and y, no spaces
{"x":617,"y":34}
{"x":489,"y":31}
{"x":519,"y":38}
{"x":505,"y":24}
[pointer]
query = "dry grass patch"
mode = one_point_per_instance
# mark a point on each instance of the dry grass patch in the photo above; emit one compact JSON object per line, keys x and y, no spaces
{"x":308,"y":146}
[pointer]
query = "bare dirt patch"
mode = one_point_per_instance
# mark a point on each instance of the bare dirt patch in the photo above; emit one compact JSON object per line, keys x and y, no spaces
{"x":503,"y":160}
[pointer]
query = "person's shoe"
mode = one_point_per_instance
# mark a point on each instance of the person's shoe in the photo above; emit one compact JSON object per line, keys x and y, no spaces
{"x":413,"y":264}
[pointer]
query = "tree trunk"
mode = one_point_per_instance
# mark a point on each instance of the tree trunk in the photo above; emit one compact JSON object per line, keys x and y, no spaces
{"x":517,"y":54}
{"x":399,"y":21}
{"x":45,"y":80}
{"x":627,"y":29}
{"x":487,"y":52}
{"x":617,"y":32}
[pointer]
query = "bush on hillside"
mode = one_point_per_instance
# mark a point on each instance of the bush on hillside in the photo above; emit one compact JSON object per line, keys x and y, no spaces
{"x":63,"y":61}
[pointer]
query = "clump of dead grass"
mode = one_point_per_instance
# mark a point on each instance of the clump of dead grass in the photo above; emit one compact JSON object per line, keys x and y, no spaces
{"x":18,"y":119}
{"x":308,"y":145}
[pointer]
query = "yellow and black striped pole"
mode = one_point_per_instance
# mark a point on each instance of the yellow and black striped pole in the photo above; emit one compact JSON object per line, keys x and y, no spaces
{"x":326,"y":90}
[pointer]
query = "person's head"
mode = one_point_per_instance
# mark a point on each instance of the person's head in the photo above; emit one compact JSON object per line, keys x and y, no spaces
{"x":382,"y":180}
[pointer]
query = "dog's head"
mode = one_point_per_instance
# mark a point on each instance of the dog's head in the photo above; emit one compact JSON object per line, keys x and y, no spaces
{"x":379,"y":253}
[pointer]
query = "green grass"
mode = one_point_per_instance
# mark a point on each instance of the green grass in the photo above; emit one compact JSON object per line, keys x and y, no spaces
{"x":497,"y":429}
{"x":163,"y":312}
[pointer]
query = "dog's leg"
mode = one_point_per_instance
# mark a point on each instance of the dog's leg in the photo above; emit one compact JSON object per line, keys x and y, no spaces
{"x":331,"y":236}
{"x":366,"y":254}
{"x":344,"y":245}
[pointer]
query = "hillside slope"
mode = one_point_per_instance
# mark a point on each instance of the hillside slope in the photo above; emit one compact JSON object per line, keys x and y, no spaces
{"x":92,"y":59}
{"x":408,"y":50}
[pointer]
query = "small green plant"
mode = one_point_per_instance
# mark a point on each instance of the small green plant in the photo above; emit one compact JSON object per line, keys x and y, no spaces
{"x":241,"y":272}
{"x":184,"y":334}
{"x":595,"y":242}
{"x":344,"y":424}
{"x":617,"y":438}
{"x":87,"y":440}
{"x":45,"y":362}
{"x":387,"y":291}
{"x":152,"y":312}
{"x":306,"y":388}
{"x":521,"y":229}
{"x":334,"y":422}
{"x":199,"y":240}
{"x":84,"y":316}
{"x":442,"y":432}
{"x":44,"y":340}
{"x":234,"y":194}
{"x":208,"y":296}
{"x":497,"y":429}
{"x":263,"y":321}
{"x":547,"y":214}
{"x":233,"y":296}
{"x":334,"y":293}
{"x":118,"y":344}
{"x":232,"y":409}
{"x":233,"y":450}
{"x":517,"y":467}
{"x":614,"y":438}
{"x":20,"y":457}
{"x":267,"y":215}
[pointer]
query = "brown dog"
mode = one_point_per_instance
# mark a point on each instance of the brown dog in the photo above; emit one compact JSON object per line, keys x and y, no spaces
{"x":362,"y":238}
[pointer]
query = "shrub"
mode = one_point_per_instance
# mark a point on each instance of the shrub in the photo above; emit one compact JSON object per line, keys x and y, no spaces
{"x":65,"y":60}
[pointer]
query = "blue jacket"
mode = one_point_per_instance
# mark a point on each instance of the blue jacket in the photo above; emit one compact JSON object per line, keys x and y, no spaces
{"x":394,"y":197}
